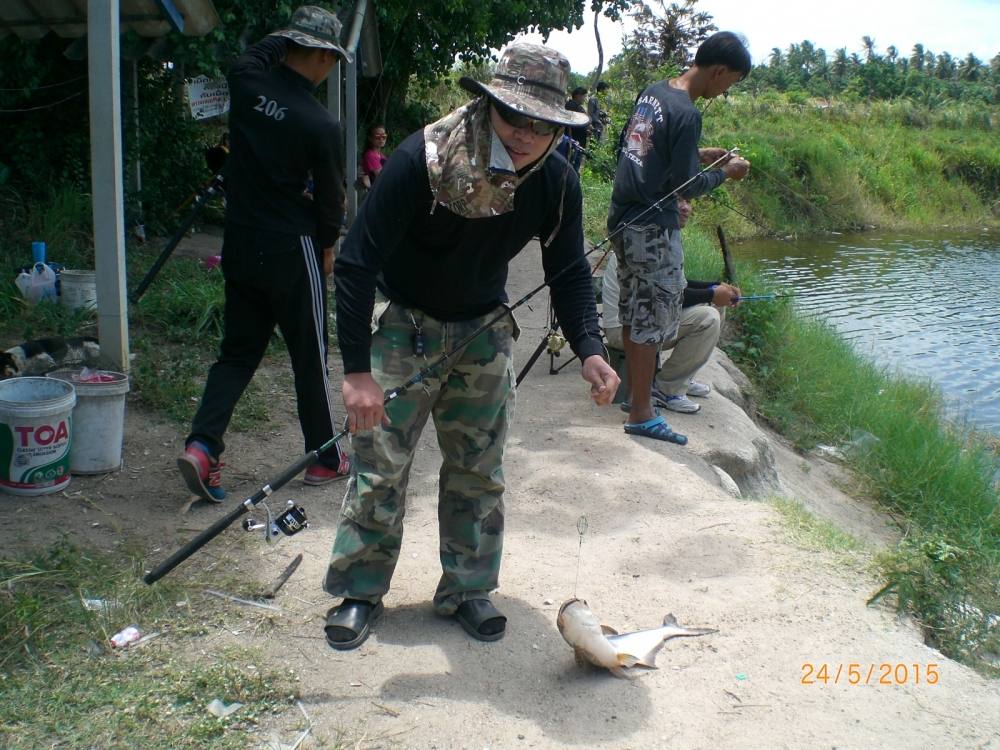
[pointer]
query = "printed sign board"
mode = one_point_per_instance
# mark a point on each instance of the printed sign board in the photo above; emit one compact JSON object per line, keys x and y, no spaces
{"x":207,"y":97}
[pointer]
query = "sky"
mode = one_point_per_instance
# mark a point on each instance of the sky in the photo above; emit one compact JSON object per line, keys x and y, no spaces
{"x":956,"y":26}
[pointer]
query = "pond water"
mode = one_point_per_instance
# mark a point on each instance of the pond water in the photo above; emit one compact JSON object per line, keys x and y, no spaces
{"x":926,"y":305}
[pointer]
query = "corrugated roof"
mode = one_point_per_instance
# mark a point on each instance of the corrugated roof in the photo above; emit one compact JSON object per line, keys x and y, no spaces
{"x":33,"y":19}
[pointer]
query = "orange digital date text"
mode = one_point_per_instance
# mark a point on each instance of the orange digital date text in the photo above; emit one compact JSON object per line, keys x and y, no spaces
{"x":858,"y":673}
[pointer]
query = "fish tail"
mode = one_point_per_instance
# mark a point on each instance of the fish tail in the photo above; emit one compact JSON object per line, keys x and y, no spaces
{"x":669,"y":621}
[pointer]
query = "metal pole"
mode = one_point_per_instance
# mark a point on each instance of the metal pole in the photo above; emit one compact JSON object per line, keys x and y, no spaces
{"x":140,"y":229}
{"x":357,"y":20}
{"x":352,"y":140}
{"x":104,"y":68}
{"x":333,"y":87}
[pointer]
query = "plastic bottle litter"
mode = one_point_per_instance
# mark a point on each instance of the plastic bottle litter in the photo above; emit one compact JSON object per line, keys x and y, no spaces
{"x":123,"y":638}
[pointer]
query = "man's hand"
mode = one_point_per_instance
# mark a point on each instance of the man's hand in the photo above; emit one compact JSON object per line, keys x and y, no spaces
{"x":602,"y":378}
{"x":327,"y":260}
{"x":363,"y":400}
{"x":736,"y":168}
{"x":708,"y":155}
{"x":726,"y":295}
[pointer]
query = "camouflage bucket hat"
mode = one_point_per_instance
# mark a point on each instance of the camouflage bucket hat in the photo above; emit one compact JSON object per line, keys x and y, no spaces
{"x":312,"y":26}
{"x":531,"y":79}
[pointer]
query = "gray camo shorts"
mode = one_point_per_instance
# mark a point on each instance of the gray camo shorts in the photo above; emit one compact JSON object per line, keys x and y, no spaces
{"x":651,"y":275}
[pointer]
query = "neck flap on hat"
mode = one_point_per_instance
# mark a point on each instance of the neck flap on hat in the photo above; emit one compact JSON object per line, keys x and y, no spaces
{"x":470,"y":171}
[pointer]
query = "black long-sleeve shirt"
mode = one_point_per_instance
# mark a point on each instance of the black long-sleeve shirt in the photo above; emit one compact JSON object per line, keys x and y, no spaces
{"x":452,"y":268}
{"x":659,"y":154}
{"x":280,"y":138}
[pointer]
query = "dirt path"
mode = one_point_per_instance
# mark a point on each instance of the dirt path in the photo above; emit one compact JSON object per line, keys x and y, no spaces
{"x":663,"y":536}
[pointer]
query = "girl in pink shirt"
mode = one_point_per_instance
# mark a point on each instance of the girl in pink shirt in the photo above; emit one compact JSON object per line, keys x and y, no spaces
{"x":373,"y":159}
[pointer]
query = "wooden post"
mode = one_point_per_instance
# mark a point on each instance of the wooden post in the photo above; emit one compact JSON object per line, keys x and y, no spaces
{"x":106,"y":179}
{"x":729,"y":274}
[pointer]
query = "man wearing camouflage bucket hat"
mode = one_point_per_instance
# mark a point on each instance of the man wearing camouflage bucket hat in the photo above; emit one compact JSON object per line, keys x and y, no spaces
{"x":424,"y":266}
{"x":279,"y":240}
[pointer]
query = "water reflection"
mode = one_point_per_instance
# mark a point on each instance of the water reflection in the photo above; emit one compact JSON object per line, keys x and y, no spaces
{"x":926,"y":305}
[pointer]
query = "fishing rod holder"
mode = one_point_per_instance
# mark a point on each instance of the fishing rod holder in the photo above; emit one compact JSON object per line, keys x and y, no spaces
{"x":288,"y":523}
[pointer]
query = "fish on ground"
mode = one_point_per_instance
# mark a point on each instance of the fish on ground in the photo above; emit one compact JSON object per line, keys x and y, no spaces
{"x":602,"y":646}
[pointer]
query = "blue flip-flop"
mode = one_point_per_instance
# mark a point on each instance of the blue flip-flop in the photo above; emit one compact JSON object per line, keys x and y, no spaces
{"x":656,"y":428}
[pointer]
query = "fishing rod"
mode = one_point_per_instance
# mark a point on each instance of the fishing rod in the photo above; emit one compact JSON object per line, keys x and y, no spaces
{"x":293,"y":519}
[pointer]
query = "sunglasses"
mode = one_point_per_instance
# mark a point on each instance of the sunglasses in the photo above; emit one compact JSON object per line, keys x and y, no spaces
{"x":516,"y":120}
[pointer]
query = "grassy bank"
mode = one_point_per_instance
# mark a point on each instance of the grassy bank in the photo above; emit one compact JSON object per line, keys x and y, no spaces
{"x":933,"y":476}
{"x":823,"y":166}
{"x":820,"y":165}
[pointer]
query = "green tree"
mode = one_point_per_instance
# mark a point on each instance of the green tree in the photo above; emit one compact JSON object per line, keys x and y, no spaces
{"x":869,"y":46}
{"x":945,"y":67}
{"x":917,"y":57}
{"x":670,"y":35}
{"x":971,"y":68}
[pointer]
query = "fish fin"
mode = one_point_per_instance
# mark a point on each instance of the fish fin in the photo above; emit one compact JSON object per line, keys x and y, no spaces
{"x":649,"y":660}
{"x":670,"y":621}
{"x":608,"y":630}
{"x":621,"y":673}
{"x":627,"y":660}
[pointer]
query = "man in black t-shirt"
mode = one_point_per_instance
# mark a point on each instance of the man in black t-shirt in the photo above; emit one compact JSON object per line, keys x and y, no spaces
{"x":659,"y":154}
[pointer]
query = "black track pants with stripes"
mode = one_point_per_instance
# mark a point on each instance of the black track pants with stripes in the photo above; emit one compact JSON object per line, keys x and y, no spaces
{"x":263,"y":289}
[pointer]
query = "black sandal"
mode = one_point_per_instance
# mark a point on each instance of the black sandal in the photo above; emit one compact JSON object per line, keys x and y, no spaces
{"x":349,"y":624}
{"x":480,"y":619}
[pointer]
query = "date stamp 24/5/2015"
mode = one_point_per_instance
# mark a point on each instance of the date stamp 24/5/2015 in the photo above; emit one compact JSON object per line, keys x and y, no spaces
{"x":858,"y":673}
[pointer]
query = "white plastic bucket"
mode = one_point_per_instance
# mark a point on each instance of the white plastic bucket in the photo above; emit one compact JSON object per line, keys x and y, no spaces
{"x":78,"y":289}
{"x":36,"y":431}
{"x":98,"y":419}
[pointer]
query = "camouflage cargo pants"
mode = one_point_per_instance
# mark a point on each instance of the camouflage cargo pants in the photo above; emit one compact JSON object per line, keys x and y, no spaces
{"x":471,"y":398}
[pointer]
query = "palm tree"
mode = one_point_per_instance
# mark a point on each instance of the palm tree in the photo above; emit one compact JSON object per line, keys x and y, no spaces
{"x":945,"y":68}
{"x":917,"y":57}
{"x":869,"y":45}
{"x":840,"y":62}
{"x":970,"y":68}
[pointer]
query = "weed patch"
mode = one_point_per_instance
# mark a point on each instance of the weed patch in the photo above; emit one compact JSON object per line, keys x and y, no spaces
{"x":62,"y":684}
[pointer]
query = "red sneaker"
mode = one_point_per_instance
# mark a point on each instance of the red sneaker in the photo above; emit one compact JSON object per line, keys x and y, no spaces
{"x":202,"y":474}
{"x":318,"y":474}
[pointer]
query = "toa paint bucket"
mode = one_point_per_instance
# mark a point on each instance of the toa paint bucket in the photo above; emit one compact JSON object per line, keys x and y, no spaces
{"x":98,"y":419}
{"x":78,"y":289}
{"x":35,"y":435}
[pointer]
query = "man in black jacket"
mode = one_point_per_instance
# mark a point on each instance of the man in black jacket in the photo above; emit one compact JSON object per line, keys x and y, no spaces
{"x":285,"y":204}
{"x":422,"y":269}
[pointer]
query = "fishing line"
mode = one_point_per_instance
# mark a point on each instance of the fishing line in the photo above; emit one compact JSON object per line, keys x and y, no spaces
{"x":581,"y":528}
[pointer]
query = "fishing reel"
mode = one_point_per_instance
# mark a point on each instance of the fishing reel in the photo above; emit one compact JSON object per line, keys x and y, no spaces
{"x":289,"y":523}
{"x":555,"y":344}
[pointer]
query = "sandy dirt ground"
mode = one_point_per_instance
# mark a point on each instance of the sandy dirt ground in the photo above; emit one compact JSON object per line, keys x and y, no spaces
{"x":663,"y":536}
